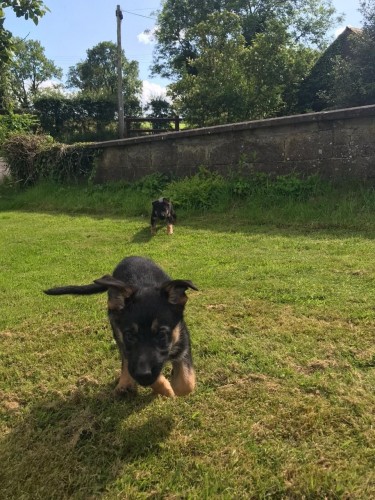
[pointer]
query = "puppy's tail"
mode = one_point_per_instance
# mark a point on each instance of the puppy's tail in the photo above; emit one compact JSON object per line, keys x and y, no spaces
{"x":77,"y":289}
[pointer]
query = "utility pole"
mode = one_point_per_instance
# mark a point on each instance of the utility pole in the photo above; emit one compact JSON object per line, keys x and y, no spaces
{"x":120,"y":95}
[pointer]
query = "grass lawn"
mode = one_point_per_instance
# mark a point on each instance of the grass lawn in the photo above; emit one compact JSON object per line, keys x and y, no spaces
{"x":283,"y":331}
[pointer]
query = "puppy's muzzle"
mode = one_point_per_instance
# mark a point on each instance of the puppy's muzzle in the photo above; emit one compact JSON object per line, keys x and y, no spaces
{"x":145,"y":375}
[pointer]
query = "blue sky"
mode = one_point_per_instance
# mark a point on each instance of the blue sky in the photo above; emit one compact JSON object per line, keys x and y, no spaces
{"x":73,"y":26}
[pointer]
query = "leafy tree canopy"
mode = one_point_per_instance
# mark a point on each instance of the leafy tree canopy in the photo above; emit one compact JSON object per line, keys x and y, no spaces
{"x":305,"y":21}
{"x":29,"y":68}
{"x":353,"y":75}
{"x":97,"y":75}
{"x":230,"y":81}
{"x":159,"y":107}
{"x":29,"y":9}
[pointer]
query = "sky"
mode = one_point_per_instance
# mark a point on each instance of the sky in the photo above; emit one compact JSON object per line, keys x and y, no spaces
{"x":73,"y":26}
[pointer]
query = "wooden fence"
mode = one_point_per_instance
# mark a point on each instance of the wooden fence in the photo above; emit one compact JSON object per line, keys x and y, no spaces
{"x":156,"y":125}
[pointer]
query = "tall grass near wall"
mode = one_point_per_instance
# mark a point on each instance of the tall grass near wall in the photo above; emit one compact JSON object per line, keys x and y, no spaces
{"x":287,"y":199}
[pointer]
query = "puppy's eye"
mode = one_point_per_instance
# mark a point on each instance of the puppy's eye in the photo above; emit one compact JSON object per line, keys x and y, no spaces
{"x":163,"y":335}
{"x":130,"y":336}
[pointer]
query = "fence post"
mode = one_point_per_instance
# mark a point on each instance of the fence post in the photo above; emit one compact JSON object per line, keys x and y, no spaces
{"x":177,"y":123}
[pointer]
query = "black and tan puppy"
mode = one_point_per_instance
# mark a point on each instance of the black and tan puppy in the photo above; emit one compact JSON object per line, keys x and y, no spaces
{"x":162,"y":210}
{"x":145,"y":309}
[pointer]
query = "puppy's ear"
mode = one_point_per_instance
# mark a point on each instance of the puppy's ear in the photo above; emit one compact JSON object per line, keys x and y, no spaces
{"x":118,"y":292}
{"x":175,"y":291}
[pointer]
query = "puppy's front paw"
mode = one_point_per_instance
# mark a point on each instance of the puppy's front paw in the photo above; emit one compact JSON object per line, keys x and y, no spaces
{"x":125,"y":389}
{"x":162,"y":387}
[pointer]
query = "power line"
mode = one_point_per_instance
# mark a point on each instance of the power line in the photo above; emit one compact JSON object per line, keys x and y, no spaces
{"x":139,"y":15}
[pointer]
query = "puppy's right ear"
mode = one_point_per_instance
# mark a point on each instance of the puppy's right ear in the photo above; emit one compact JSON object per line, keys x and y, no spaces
{"x":175,"y":291}
{"x":118,"y":292}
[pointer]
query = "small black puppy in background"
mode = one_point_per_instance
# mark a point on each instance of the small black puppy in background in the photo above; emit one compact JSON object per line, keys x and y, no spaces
{"x":162,"y":209}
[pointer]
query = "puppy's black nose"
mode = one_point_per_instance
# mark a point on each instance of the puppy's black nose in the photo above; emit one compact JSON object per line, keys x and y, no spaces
{"x":145,"y":378}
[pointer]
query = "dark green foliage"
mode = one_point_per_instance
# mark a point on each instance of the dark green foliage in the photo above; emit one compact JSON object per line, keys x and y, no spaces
{"x":158,"y":107}
{"x":12,"y":123}
{"x":353,"y":73}
{"x":206,"y":190}
{"x":32,"y":158}
{"x":307,"y":23}
{"x":20,"y":152}
{"x":97,"y":76}
{"x":29,"y":9}
{"x":77,"y":118}
{"x":314,"y":91}
{"x":203,"y":190}
{"x":290,"y":186}
{"x":29,"y":68}
{"x":153,"y":184}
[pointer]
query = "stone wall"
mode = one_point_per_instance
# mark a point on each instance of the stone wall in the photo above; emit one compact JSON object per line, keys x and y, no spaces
{"x":339,"y":145}
{"x":3,"y":169}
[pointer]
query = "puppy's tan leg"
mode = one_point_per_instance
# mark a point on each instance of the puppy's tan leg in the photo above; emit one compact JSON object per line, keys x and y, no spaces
{"x":169,"y":228}
{"x":163,"y":387}
{"x":183,"y":378}
{"x":126,"y":383}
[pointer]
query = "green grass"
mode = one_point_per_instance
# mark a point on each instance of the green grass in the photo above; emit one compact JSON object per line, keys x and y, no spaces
{"x":283,"y":341}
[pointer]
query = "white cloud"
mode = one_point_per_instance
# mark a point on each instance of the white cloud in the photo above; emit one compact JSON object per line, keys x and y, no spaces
{"x":150,"y":90}
{"x":147,"y":36}
{"x":50,"y":84}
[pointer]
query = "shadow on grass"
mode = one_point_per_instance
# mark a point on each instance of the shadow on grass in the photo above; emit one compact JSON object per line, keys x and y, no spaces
{"x":75,"y":446}
{"x":234,"y":221}
{"x":142,"y":236}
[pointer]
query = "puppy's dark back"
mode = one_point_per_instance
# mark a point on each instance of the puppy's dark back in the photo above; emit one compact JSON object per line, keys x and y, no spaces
{"x":140,"y":272}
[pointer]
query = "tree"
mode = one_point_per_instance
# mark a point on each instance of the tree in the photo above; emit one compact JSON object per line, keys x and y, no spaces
{"x":212,"y":88}
{"x":353,"y":75}
{"x":29,"y":9}
{"x":97,"y":75}
{"x":306,"y":21}
{"x":231,"y":81}
{"x":159,"y":107}
{"x":29,"y":68}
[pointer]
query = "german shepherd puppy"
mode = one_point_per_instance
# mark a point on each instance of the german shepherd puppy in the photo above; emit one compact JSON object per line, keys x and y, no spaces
{"x":145,"y":309}
{"x":162,"y":210}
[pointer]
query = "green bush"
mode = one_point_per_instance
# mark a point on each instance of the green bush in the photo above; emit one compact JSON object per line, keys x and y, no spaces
{"x":33,"y":157}
{"x":200,"y":191}
{"x":290,"y":186}
{"x":16,"y":124}
{"x":20,"y":152}
{"x":153,"y":184}
{"x":295,"y":187}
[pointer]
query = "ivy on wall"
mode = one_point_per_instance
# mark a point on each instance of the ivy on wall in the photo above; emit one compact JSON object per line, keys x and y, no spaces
{"x":31,"y":158}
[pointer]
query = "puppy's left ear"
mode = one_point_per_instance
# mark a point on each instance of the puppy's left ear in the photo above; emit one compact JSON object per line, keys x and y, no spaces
{"x":176,"y":289}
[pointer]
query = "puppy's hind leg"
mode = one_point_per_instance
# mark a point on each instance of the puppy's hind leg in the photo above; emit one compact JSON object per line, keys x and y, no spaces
{"x":153,"y":226}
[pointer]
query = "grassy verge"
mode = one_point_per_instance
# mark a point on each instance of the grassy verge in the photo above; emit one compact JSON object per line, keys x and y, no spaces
{"x":286,"y":201}
{"x":283,"y":341}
